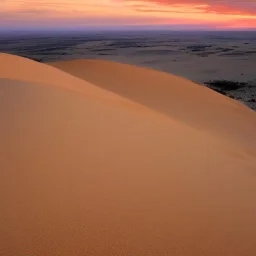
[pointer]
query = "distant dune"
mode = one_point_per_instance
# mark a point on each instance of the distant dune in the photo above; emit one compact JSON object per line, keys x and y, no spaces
{"x":125,"y":161}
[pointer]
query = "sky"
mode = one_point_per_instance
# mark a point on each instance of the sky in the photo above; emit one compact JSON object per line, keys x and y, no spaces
{"x":114,"y":14}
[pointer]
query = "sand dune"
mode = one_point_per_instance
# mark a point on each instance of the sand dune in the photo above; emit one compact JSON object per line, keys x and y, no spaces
{"x":96,"y":174}
{"x":176,"y":97}
{"x":22,"y":69}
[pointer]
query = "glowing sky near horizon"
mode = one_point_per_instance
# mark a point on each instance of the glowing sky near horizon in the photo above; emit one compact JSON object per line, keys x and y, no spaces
{"x":106,"y":13}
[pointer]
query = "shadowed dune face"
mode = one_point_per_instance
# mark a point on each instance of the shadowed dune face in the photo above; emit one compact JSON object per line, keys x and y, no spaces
{"x":83,"y":174}
{"x":176,"y":97}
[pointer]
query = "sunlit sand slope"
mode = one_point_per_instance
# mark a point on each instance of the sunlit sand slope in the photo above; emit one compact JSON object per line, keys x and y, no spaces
{"x":96,"y":174}
{"x":177,"y":97}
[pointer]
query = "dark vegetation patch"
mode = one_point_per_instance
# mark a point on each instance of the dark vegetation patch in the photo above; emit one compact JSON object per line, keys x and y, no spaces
{"x":128,"y":44}
{"x":206,"y":50}
{"x":142,"y":43}
{"x":198,"y":48}
{"x":238,"y":53}
{"x":219,"y":91}
{"x":221,"y":49}
{"x":250,"y":52}
{"x":36,"y":59}
{"x":224,"y":92}
{"x":233,"y":54}
{"x":163,"y":45}
{"x":225,"y":85}
{"x":101,"y":50}
{"x":226,"y":38}
{"x":152,"y":52}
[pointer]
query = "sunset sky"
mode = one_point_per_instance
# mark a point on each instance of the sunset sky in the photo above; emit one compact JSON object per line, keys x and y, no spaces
{"x":76,"y":14}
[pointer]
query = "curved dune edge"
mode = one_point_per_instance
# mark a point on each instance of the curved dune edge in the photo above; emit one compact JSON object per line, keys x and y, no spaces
{"x":23,"y":69}
{"x":174,"y":96}
{"x":83,"y":176}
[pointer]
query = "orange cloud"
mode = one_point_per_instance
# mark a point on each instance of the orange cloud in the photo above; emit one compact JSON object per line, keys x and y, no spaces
{"x":246,"y":7}
{"x":222,"y":13}
{"x":215,"y":13}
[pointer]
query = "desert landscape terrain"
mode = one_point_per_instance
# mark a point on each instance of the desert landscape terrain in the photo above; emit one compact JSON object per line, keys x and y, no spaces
{"x":221,"y":60}
{"x":104,"y":158}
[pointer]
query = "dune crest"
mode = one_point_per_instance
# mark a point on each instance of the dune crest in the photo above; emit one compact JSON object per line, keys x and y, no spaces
{"x":23,"y":69}
{"x":174,"y":96}
{"x":83,"y":174}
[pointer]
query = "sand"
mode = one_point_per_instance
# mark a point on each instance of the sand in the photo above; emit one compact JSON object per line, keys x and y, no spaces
{"x":198,"y":56}
{"x":174,"y":96}
{"x":87,"y":171}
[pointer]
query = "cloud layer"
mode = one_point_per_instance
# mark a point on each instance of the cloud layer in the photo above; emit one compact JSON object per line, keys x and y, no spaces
{"x":61,"y":13}
{"x":246,"y":7}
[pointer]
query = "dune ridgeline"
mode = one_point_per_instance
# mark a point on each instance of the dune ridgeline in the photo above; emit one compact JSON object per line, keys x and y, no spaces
{"x":102,"y":158}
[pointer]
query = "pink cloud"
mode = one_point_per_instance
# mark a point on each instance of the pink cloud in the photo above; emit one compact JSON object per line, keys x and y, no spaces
{"x":246,"y":7}
{"x":222,"y":13}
